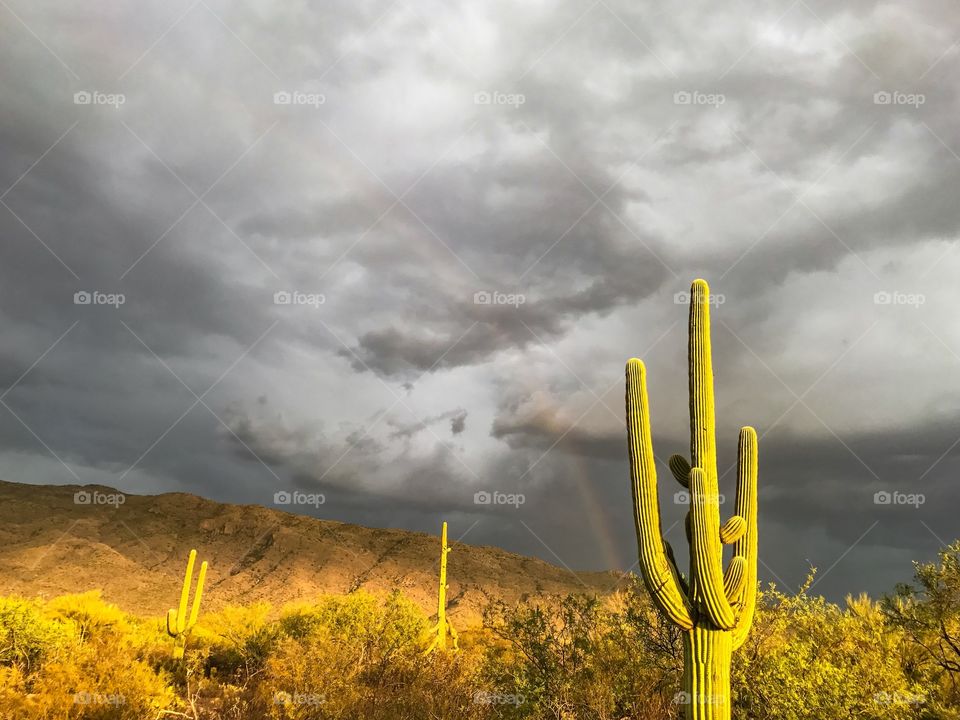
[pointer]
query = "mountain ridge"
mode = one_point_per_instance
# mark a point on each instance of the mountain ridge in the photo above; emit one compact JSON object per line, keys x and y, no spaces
{"x":135,"y":552}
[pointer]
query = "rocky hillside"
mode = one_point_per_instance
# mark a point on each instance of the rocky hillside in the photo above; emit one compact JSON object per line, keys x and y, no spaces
{"x":135,"y":553}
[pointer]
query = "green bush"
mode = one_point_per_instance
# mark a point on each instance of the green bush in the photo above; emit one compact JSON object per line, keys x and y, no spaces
{"x":808,"y":658}
{"x":27,"y":635}
{"x":76,"y":657}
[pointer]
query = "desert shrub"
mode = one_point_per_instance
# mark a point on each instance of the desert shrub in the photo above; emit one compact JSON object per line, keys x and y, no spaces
{"x":92,"y":618}
{"x":95,"y":683}
{"x":27,"y":635}
{"x":643,"y":653}
{"x":239,"y":640}
{"x":927,"y":613}
{"x":350,"y":656}
{"x":450,"y":686}
{"x":583,"y":659}
{"x":808,"y":658}
{"x":89,"y":664}
{"x":579,"y":657}
{"x":541,"y":668}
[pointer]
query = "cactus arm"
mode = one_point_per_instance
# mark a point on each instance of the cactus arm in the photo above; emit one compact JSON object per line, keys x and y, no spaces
{"x":195,"y":609}
{"x":654,"y":565}
{"x":680,"y":468}
{"x":703,"y":441}
{"x":735,"y":579}
{"x":185,"y":592}
{"x":746,"y":546}
{"x":172,"y":629}
{"x":733,"y":529}
{"x":706,"y":552}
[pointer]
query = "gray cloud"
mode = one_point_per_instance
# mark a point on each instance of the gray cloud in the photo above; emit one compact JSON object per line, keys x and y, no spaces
{"x":456,"y":417}
{"x":399,"y":197}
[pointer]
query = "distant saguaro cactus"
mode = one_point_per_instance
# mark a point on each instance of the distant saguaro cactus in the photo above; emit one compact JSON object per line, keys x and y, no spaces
{"x":443,"y":625}
{"x":178,"y":625}
{"x":715,"y":610}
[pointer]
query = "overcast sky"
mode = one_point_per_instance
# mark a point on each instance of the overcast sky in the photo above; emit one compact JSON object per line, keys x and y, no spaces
{"x":384,"y":162}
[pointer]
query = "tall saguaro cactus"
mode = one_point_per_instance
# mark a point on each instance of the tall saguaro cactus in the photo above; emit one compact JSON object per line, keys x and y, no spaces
{"x":443,"y":625}
{"x":179,"y":625}
{"x":715,"y":609}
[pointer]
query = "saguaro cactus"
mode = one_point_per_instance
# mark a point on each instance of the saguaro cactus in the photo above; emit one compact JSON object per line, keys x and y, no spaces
{"x":178,"y":624}
{"x":443,"y":625}
{"x":715,"y":610}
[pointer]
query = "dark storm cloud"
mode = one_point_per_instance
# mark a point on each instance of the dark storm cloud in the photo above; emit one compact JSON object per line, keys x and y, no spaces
{"x":353,"y":259}
{"x":355,"y":465}
{"x":457,"y":419}
{"x":540,"y":430}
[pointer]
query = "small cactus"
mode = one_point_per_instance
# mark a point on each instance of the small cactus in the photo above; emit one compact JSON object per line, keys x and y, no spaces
{"x":715,"y":610}
{"x":443,"y":625}
{"x":179,"y":625}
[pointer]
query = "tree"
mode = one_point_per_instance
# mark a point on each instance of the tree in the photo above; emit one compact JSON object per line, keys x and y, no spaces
{"x":927,"y":611}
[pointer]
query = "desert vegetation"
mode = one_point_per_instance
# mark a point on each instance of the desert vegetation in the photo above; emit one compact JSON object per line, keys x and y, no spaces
{"x":572,"y":657}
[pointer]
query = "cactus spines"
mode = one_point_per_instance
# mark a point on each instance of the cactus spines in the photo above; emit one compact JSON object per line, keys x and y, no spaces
{"x":443,"y":625}
{"x":715,"y":609}
{"x":179,"y":625}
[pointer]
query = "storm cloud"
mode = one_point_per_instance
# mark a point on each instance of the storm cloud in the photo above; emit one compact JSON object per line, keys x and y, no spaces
{"x":398,"y":253}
